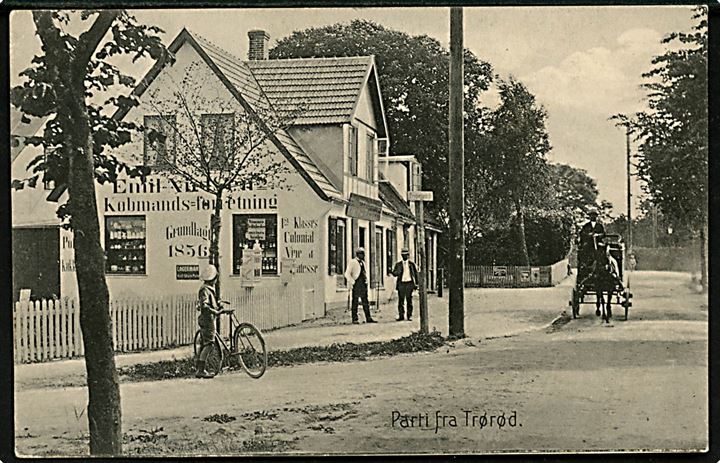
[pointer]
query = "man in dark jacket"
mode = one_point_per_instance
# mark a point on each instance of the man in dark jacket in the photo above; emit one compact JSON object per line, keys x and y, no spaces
{"x":590,"y":234}
{"x":407,"y":278}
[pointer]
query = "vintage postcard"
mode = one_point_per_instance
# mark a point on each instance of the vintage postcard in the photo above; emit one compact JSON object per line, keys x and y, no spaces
{"x":342,"y":231}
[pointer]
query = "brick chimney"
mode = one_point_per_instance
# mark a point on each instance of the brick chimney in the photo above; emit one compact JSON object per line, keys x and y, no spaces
{"x":259,"y":40}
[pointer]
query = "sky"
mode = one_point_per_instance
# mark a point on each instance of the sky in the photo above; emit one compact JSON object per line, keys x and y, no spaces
{"x":583,"y":64}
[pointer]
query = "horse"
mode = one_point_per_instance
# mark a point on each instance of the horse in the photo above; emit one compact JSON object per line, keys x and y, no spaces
{"x":603,"y":276}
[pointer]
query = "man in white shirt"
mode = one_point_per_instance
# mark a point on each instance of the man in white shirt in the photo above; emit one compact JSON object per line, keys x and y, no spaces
{"x":406,"y":274}
{"x":357,"y":278}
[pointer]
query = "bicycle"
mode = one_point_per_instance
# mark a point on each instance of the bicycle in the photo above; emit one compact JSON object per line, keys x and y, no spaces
{"x":246,"y":342}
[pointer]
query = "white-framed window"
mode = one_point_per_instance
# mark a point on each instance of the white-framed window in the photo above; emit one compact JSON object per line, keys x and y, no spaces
{"x":390,"y":247}
{"x":353,"y":150}
{"x":337,"y":245}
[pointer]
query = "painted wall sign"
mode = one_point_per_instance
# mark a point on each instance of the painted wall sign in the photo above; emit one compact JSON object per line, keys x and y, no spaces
{"x":187,"y":272}
{"x":299,"y":236}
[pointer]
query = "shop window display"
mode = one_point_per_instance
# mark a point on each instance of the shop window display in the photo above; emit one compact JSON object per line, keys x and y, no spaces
{"x":125,"y":241}
{"x":251,"y":228}
{"x":336,"y":246}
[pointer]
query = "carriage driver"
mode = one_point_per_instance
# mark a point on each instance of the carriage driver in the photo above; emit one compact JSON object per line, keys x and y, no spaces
{"x":587,"y":243}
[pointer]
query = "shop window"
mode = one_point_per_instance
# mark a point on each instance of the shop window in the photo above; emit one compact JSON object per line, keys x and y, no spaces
{"x":337,"y":252}
{"x":218,"y":134}
{"x":251,"y":228}
{"x":125,"y":241}
{"x":390,"y":247}
{"x":353,"y":149}
{"x":370,"y":157}
{"x":159,"y":141}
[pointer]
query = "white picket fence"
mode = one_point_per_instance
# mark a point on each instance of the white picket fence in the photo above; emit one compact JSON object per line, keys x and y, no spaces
{"x":50,"y":329}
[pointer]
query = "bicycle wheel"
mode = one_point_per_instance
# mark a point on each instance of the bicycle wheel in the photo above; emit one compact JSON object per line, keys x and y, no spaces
{"x":215,"y":357}
{"x":250,"y":348}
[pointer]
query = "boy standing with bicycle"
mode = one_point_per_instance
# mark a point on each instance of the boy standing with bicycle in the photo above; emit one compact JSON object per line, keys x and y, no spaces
{"x":209,"y":309}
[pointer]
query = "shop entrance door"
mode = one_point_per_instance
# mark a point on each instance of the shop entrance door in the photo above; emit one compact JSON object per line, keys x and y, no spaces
{"x":36,"y":262}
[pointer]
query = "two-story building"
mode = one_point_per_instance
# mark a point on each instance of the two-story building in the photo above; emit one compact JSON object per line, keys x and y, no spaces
{"x":340,"y":190}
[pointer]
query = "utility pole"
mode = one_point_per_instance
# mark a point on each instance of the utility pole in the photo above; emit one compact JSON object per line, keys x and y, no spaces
{"x":456,"y":260}
{"x":419,"y":197}
{"x":629,"y":193}
{"x":424,"y":325}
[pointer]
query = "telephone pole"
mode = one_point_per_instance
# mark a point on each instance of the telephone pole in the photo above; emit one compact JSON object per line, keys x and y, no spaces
{"x":456,"y":260}
{"x":424,"y":324}
{"x":629,"y":193}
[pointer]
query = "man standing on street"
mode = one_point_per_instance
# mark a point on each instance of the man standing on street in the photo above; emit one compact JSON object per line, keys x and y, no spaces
{"x":407,"y":279}
{"x":357,"y":279}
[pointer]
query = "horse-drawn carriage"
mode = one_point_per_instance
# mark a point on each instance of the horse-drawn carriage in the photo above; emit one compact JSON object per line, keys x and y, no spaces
{"x":600,"y":274}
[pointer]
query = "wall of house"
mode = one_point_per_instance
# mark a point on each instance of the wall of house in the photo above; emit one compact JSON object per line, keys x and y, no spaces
{"x":396,"y":173}
{"x":364,"y":111}
{"x":326,"y":143}
{"x":359,"y":184}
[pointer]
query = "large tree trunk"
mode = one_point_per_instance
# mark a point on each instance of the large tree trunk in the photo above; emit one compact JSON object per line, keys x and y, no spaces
{"x":521,"y":233}
{"x":703,"y":259}
{"x":103,"y":412}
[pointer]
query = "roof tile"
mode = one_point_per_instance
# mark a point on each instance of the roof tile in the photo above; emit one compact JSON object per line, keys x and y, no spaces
{"x":326,"y":87}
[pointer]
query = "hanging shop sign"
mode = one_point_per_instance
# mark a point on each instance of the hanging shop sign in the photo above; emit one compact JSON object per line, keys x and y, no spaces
{"x":363,"y":208}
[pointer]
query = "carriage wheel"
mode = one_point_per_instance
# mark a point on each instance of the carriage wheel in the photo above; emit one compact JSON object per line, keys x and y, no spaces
{"x":575,"y":304}
{"x":626,"y":302}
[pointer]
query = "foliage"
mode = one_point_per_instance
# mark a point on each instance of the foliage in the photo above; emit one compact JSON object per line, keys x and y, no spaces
{"x":69,"y":84}
{"x":672,"y":134}
{"x":40,"y":96}
{"x":518,"y":142}
{"x":576,"y":193}
{"x":674,"y":130}
{"x":413,"y":73}
{"x":548,"y":234}
{"x":415,"y":342}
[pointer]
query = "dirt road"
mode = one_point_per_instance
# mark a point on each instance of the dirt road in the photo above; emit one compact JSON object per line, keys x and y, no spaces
{"x":582,"y":386}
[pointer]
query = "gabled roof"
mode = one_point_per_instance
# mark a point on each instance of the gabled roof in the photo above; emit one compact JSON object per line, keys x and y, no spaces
{"x":392,"y":199}
{"x":239,"y":80}
{"x":328,"y":88}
